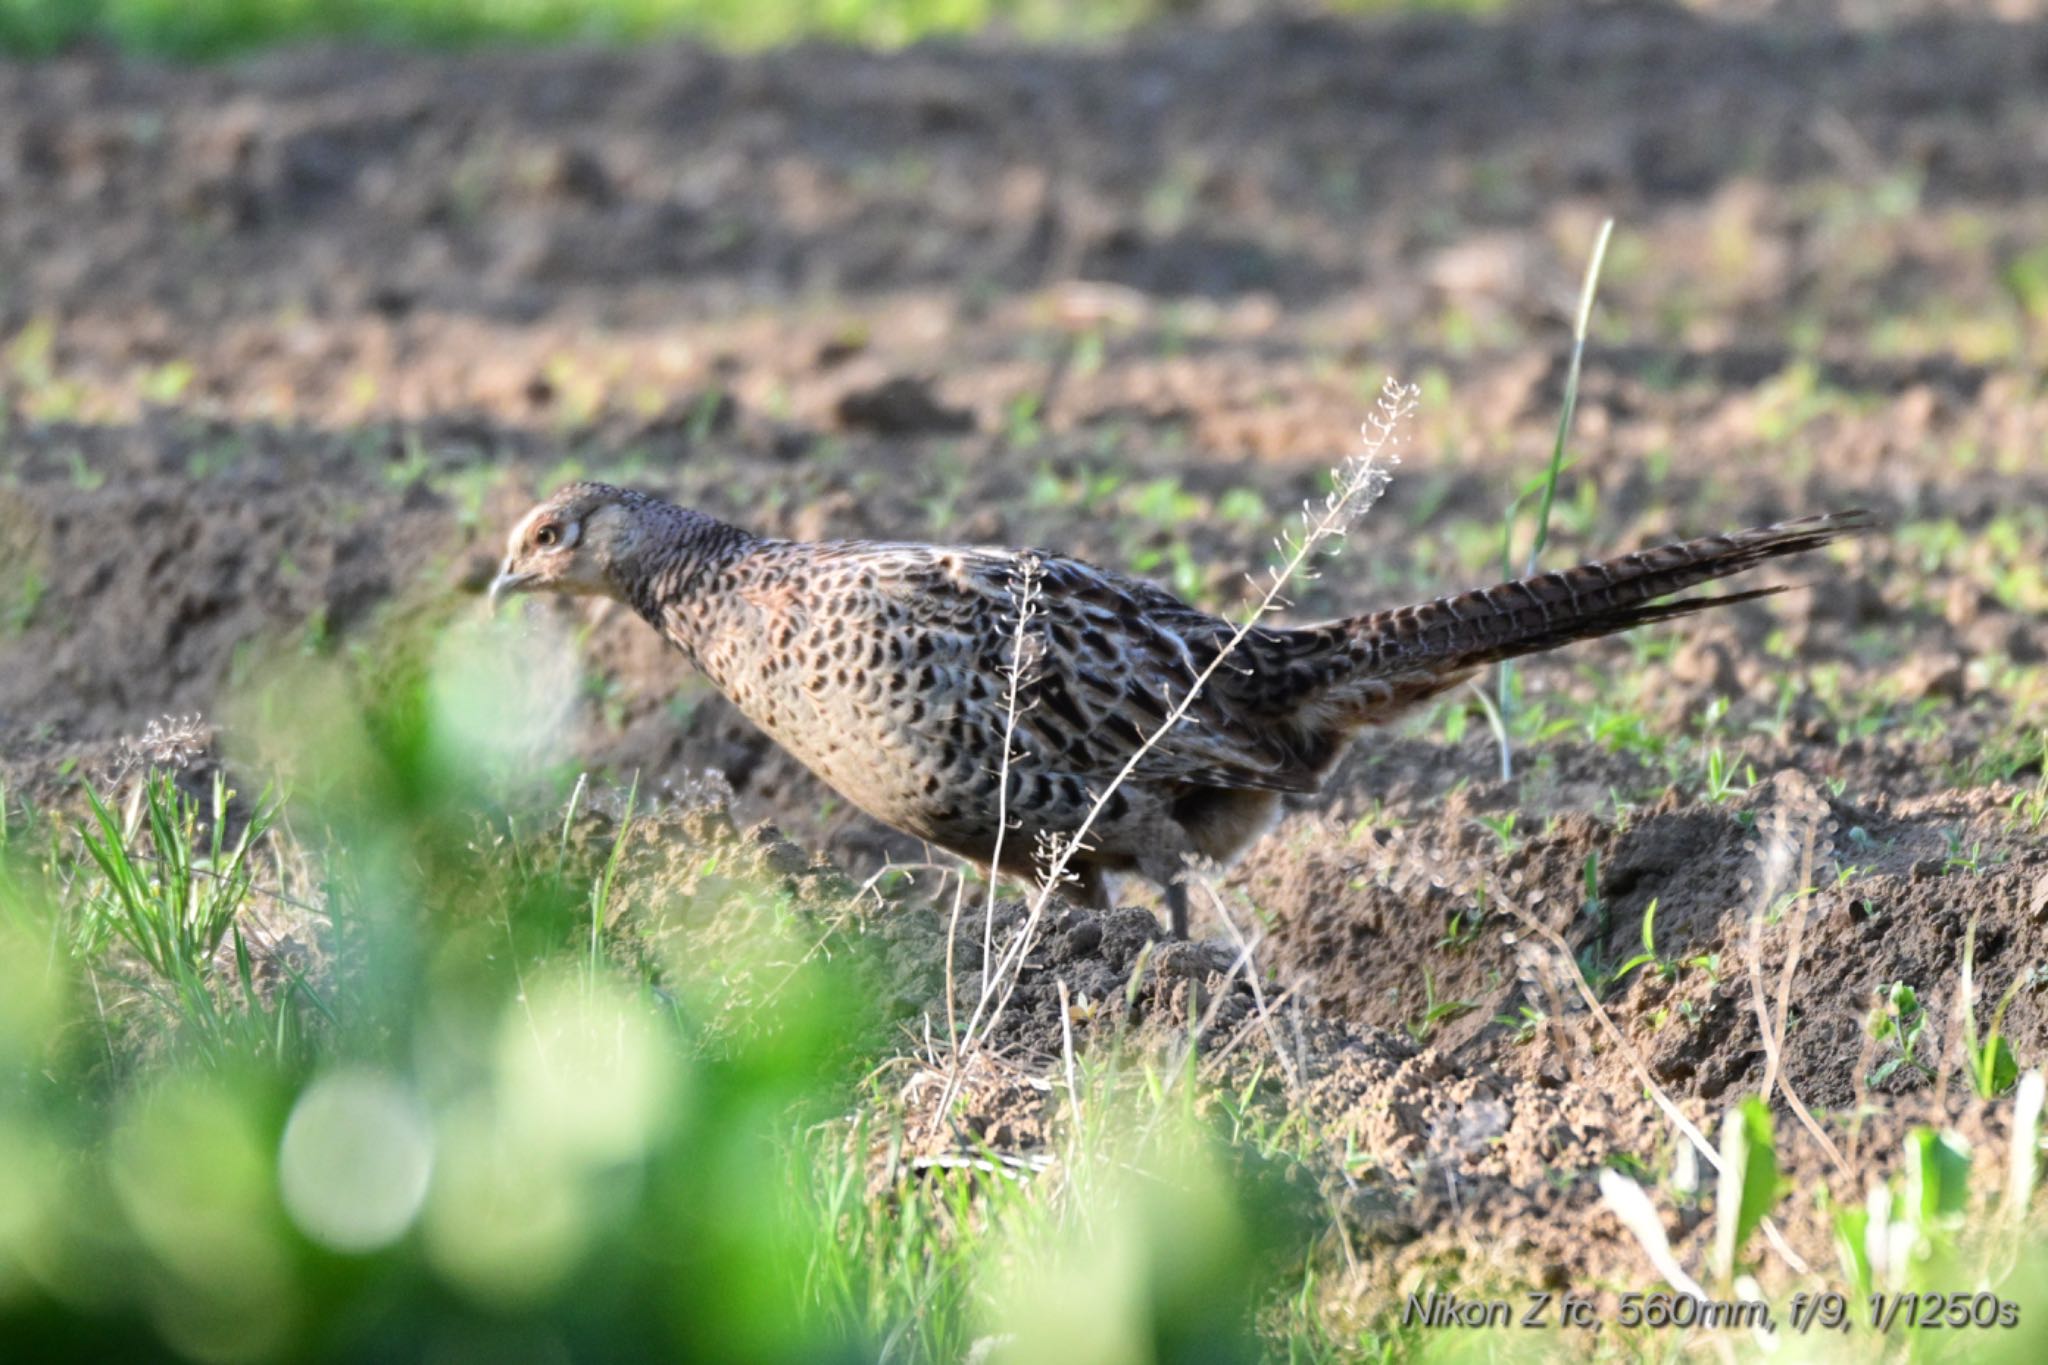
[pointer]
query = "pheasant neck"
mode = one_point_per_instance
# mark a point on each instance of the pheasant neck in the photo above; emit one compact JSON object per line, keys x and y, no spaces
{"x":685,"y":566}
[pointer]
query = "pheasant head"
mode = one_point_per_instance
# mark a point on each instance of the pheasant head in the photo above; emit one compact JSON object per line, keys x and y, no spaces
{"x":594,"y":540}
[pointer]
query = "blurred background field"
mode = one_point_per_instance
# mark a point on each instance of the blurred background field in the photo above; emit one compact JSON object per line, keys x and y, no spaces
{"x":381,"y":982}
{"x":214,"y":28}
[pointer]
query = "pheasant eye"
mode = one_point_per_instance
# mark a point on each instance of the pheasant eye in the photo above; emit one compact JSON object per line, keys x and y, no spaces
{"x":548,"y":536}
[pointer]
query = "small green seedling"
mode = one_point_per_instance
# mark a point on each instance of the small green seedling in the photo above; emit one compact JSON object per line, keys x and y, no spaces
{"x":1993,"y":1068}
{"x":1435,"y":1011}
{"x":1648,"y":956}
{"x":1525,"y":1023}
{"x":1721,"y":786}
{"x":1901,"y":1021}
{"x":1463,"y":925}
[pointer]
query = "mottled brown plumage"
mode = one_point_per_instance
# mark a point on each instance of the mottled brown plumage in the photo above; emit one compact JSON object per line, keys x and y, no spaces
{"x":885,"y":668}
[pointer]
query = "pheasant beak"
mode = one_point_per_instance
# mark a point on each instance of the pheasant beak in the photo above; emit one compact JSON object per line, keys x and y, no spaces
{"x":507,"y":583}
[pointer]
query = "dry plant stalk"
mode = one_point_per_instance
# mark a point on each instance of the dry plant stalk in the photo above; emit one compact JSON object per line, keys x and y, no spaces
{"x":1026,"y":649}
{"x":1356,"y":485}
{"x":1776,"y":855}
{"x":174,"y":742}
{"x":1249,"y":967}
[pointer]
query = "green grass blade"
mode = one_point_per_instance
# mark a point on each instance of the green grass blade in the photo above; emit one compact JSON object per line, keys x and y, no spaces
{"x":1571,"y":394}
{"x":1549,"y":484}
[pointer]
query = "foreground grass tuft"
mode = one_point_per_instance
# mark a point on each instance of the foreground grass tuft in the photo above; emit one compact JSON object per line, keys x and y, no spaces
{"x":483,"y":1074}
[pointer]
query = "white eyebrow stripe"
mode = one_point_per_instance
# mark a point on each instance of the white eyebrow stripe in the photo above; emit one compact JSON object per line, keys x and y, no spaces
{"x":518,"y":536}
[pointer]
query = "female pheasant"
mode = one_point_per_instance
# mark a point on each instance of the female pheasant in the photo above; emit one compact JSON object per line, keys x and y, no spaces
{"x":886,"y":669}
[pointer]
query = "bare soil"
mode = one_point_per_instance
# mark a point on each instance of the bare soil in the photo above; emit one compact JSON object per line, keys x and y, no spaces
{"x":289,"y":344}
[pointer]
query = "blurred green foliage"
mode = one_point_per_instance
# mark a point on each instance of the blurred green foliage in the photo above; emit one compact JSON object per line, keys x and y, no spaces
{"x":478,"y":1126}
{"x":202,"y":29}
{"x":212,"y":28}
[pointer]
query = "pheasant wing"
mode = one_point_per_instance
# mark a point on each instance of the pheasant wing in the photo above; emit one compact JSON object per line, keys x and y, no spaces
{"x":1107,"y":661}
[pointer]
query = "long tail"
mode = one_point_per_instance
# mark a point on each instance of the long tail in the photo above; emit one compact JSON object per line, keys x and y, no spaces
{"x":1452,"y":636}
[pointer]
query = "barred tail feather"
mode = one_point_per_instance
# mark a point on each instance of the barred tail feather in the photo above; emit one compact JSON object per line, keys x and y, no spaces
{"x":1454,"y":635}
